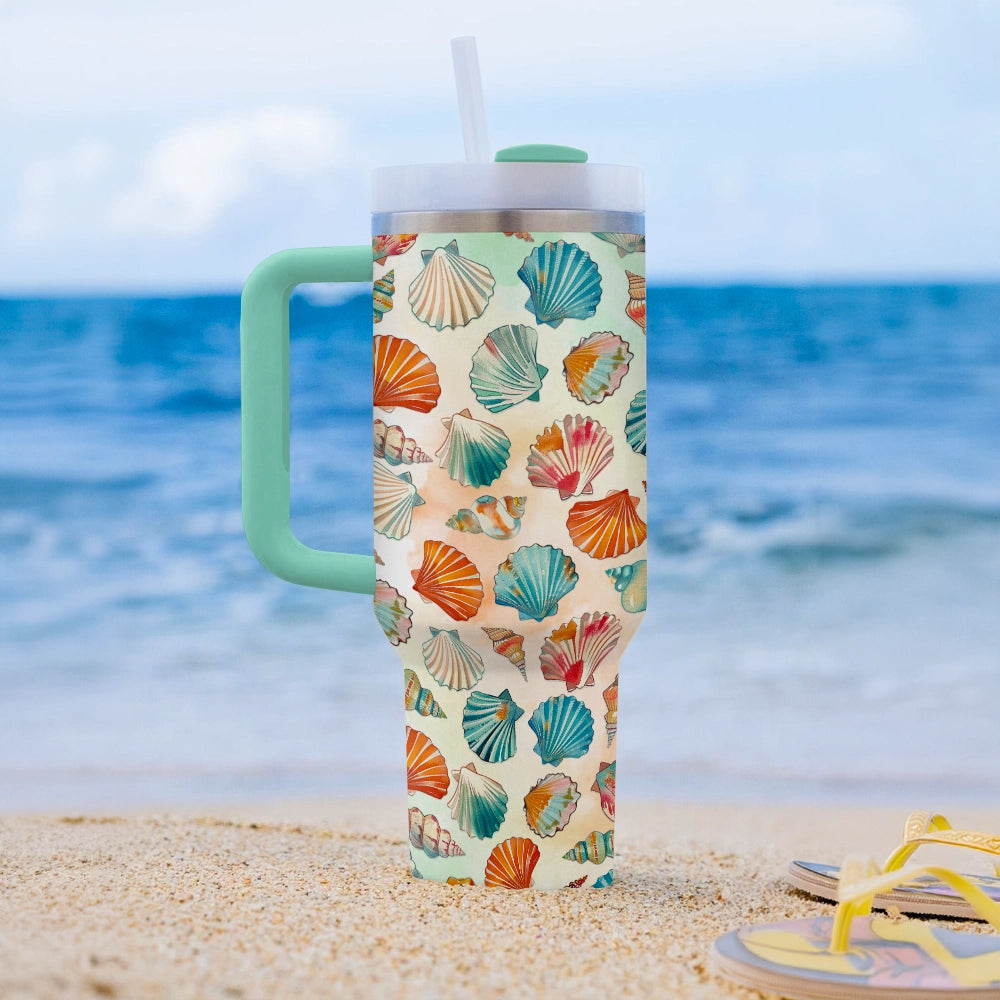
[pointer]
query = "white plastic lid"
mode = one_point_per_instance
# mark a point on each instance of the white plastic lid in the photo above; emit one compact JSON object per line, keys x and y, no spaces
{"x":557,"y":182}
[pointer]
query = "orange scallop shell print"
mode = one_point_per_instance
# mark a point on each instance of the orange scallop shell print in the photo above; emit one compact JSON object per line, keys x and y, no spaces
{"x":448,"y":579}
{"x":511,"y":863}
{"x":608,"y":527}
{"x":426,"y":770}
{"x":404,"y":376}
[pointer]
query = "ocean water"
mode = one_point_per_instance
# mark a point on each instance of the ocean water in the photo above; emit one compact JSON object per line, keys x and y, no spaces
{"x":825,"y":562}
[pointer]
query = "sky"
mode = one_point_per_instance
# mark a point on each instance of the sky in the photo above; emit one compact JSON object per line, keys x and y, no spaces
{"x":170,"y":147}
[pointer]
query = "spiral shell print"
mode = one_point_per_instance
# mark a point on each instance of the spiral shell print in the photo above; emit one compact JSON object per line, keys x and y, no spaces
{"x":382,"y":291}
{"x":490,"y":516}
{"x":418,"y":699}
{"x":611,"y":716}
{"x":392,"y":444}
{"x":427,"y":835}
{"x":630,"y":582}
{"x":595,"y":848}
{"x":508,"y":644}
{"x":636,"y":308}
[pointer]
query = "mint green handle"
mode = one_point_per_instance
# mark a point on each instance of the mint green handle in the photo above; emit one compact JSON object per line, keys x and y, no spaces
{"x":264,"y":379}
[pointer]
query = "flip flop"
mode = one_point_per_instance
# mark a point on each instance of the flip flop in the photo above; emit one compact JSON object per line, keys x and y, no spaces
{"x":924,"y":895}
{"x":854,"y":956}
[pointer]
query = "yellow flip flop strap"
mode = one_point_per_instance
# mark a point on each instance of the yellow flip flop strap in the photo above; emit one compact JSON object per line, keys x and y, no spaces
{"x":933,"y":828}
{"x":861,"y":880}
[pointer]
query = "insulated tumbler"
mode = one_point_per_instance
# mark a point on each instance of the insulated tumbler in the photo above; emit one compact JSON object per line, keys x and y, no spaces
{"x":509,"y":437}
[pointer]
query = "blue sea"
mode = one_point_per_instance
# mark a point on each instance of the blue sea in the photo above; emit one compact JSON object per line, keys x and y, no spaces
{"x":824,"y":615}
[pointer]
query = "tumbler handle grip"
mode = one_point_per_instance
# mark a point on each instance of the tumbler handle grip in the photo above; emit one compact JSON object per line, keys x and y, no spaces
{"x":264,"y":375}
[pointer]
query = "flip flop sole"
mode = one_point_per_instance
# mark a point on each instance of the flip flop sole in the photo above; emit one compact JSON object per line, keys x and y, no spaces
{"x":926,"y":898}
{"x":884,"y":962}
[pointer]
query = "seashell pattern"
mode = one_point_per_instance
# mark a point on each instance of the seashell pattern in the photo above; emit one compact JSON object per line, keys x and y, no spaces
{"x":488,"y":724}
{"x":382,"y":291}
{"x":568,"y":456}
{"x":448,"y":579}
{"x":426,"y":770}
{"x":490,"y":516}
{"x":390,"y":245}
{"x":395,"y":498}
{"x":450,"y":661}
{"x":533,"y":580}
{"x":626,"y":242}
{"x":563,"y":282}
{"x":479,"y":803}
{"x":603,"y":881}
{"x":596,"y":848}
{"x":392,"y":444}
{"x":608,"y":527}
{"x":485,"y":463}
{"x":474,"y":452}
{"x":604,"y":783}
{"x":630,"y":582}
{"x":595,"y":368}
{"x":427,"y":835}
{"x":418,"y":699}
{"x":508,"y":644}
{"x":392,"y":613}
{"x":451,"y":290}
{"x":574,"y":651}
{"x":404,"y":376}
{"x":636,"y":308}
{"x":511,"y":864}
{"x":550,"y":803}
{"x":635,"y":423}
{"x":505,"y":369}
{"x":611,"y":716}
{"x":576,"y":883}
{"x":564,"y":727}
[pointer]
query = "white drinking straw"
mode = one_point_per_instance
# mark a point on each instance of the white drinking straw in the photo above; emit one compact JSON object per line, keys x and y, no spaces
{"x":471,"y":107}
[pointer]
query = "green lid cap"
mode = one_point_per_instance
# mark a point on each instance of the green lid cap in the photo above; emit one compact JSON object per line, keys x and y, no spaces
{"x":540,"y":152}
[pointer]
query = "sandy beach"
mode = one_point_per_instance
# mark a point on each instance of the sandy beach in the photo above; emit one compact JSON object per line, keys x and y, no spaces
{"x":314,"y":899}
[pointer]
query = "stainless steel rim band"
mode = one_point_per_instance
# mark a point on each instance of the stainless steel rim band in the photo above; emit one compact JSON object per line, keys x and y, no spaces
{"x":519,"y":220}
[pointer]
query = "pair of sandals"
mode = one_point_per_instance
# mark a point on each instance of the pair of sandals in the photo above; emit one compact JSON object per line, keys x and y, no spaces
{"x":856,"y":956}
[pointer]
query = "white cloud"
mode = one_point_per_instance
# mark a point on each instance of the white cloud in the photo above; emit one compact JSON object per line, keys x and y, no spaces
{"x":52,"y":184}
{"x":194,"y":173}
